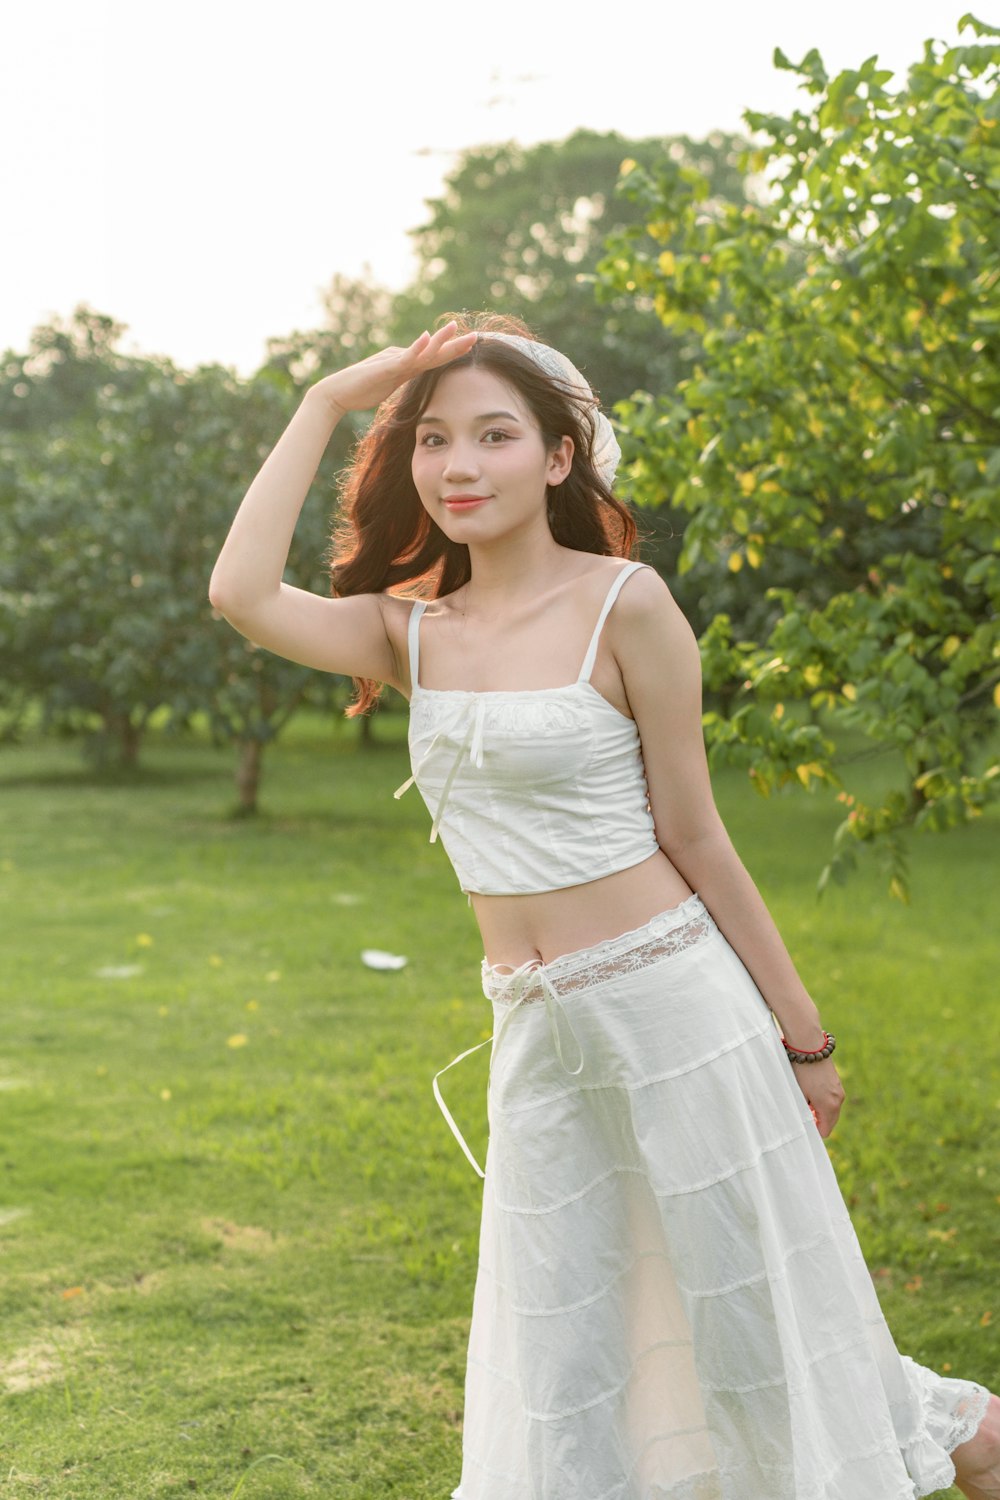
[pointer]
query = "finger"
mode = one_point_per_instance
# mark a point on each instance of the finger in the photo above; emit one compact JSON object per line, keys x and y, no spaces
{"x":447,"y":335}
{"x":433,"y":349}
{"x":456,"y":346}
{"x":428,"y":344}
{"x":430,"y":358}
{"x":451,"y":347}
{"x":433,"y":340}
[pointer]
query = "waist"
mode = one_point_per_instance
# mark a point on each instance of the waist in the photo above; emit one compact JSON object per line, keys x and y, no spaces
{"x":548,"y":924}
{"x":660,"y":940}
{"x":663,"y":935}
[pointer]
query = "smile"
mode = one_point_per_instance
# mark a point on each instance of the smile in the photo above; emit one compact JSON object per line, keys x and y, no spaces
{"x":465,"y":502}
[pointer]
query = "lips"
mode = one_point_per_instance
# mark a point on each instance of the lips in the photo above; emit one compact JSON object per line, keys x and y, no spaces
{"x":464,"y":502}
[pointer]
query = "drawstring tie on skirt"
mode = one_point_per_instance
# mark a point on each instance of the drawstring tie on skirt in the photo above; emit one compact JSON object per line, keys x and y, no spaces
{"x":518,"y":979}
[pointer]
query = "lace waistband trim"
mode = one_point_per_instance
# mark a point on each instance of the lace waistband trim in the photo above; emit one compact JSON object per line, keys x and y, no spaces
{"x":669,"y":933}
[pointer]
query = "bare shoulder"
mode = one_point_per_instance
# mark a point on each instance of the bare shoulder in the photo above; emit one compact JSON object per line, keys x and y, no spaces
{"x":596,"y":573}
{"x":644,"y":595}
{"x":647,"y":624}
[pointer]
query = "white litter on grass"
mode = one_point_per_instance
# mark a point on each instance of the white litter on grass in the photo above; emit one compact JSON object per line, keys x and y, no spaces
{"x":118,"y":971}
{"x":374,"y":958}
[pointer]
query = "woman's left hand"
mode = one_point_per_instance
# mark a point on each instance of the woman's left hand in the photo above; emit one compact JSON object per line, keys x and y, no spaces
{"x":820,"y":1082}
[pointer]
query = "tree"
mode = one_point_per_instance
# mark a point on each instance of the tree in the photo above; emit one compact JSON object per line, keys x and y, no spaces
{"x":521,"y":229}
{"x":359,"y":318}
{"x":79,"y":544}
{"x":59,"y":378}
{"x":249,"y":694}
{"x":842,"y":421}
{"x":117,"y":486}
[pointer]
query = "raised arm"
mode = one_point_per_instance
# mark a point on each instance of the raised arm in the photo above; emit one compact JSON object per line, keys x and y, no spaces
{"x":659,"y":659}
{"x":336,"y":635}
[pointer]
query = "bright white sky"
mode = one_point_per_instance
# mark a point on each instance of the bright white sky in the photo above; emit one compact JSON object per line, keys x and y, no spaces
{"x":199,"y":170}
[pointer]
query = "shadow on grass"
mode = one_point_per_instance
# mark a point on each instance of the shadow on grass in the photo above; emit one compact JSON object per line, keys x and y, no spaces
{"x":205,"y":762}
{"x":323,"y":820}
{"x":85,"y":776}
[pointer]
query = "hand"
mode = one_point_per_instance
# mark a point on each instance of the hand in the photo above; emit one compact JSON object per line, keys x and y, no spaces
{"x":820,"y":1082}
{"x":364,"y":385}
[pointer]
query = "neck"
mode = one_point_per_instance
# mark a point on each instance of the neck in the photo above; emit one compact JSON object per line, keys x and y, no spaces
{"x":512,"y":569}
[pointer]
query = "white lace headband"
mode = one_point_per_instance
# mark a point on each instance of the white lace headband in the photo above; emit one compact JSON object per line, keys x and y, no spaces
{"x":606,"y":452}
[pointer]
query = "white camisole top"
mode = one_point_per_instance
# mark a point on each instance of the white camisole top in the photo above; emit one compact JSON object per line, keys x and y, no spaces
{"x":531,"y":790}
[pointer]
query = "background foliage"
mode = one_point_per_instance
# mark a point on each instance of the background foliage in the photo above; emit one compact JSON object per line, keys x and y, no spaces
{"x":840,"y":432}
{"x":118,"y":479}
{"x":523,"y":229}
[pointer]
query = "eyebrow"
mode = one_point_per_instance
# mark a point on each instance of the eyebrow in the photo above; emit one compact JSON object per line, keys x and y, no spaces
{"x":486,"y":416}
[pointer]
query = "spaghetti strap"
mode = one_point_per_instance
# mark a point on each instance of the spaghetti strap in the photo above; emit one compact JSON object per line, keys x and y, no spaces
{"x":413,"y":640}
{"x":612,"y":595}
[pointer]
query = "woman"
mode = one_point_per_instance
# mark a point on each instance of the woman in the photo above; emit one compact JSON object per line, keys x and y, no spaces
{"x":671,"y":1301}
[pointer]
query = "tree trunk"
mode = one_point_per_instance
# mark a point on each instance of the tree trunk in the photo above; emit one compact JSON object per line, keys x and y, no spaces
{"x":248,"y":774}
{"x":128,"y":736}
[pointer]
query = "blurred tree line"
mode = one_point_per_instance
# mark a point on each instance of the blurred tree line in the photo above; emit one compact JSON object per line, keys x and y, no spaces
{"x":118,"y":479}
{"x":799,"y":339}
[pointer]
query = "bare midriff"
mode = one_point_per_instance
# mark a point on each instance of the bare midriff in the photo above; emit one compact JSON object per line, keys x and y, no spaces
{"x":547,"y":924}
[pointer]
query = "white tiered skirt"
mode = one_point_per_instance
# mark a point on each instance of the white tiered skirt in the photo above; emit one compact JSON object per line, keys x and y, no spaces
{"x":671,"y":1302}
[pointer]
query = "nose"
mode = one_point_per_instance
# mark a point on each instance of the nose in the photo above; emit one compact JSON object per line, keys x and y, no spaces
{"x":461,"y":462}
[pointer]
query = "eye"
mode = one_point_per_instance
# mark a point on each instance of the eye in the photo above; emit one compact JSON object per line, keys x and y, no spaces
{"x":427,"y":441}
{"x":496,"y":432}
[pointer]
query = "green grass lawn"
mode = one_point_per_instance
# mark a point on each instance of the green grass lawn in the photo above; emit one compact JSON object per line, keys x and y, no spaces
{"x":238,"y":1241}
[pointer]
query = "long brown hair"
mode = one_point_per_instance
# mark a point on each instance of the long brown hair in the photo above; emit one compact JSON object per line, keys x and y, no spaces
{"x":384,"y":536}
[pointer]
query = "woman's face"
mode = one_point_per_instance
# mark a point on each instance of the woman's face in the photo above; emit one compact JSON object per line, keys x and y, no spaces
{"x":479,"y":443}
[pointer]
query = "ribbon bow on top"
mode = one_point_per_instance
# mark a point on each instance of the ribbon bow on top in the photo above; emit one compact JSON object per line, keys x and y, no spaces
{"x":472,"y":741}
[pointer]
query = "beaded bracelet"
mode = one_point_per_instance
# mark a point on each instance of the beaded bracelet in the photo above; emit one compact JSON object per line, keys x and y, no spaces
{"x":817,"y":1055}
